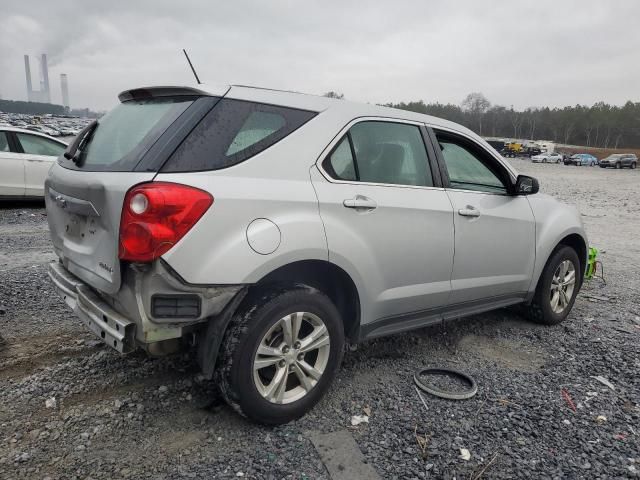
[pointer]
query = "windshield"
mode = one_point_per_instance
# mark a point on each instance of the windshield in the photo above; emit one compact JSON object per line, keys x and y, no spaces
{"x":124,"y":134}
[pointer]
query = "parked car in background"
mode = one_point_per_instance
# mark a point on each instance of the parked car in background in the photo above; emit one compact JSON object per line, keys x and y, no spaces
{"x":266,"y":229}
{"x":581,"y":159}
{"x":620,"y":160}
{"x":25,"y":158}
{"x":547,"y":158}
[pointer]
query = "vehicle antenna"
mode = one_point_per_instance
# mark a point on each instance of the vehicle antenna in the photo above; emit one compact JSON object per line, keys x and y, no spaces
{"x":191,"y":65}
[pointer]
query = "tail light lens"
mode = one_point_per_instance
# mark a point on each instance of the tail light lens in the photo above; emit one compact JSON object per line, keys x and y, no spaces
{"x":155,"y":216}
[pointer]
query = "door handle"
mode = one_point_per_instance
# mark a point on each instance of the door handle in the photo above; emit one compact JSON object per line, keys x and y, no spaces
{"x":469,"y":211}
{"x":360,"y":202}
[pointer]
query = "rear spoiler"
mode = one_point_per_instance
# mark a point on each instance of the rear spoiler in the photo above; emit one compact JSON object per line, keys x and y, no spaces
{"x":145,"y":93}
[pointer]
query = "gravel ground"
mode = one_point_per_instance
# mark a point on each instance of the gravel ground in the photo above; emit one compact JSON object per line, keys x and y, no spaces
{"x":539,"y":412}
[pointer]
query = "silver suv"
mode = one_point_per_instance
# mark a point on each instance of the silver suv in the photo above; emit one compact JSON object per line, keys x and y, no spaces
{"x":265,"y":229}
{"x":620,"y":160}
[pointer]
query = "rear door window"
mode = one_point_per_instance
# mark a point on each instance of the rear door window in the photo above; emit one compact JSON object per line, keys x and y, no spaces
{"x":233,"y":131}
{"x":35,"y":145}
{"x":385,"y":152}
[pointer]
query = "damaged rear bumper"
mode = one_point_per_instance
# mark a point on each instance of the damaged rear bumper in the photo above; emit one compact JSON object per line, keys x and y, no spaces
{"x":114,"y":329}
{"x":132,"y":318}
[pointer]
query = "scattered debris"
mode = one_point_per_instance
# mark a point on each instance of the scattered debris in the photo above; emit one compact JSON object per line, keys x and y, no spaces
{"x":568,"y":399}
{"x":605,"y":382}
{"x":625,"y":330}
{"x":465,"y":454}
{"x":420,"y":382}
{"x":367,"y":410}
{"x":358,"y":419}
{"x":596,"y":298}
{"x":23,"y":457}
{"x":423,"y":442}
{"x":601,"y":419}
{"x":421,"y":398}
{"x":484,"y":469}
{"x":51,"y":402}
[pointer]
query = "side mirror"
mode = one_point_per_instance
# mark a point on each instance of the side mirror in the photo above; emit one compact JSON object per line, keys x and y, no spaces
{"x":526,"y":185}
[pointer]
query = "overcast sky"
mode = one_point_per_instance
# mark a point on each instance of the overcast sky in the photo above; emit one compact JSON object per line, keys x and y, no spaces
{"x":520,"y":53}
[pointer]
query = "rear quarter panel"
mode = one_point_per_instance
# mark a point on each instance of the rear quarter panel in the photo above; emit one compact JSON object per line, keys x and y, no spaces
{"x":216,"y":249}
{"x":274,"y":185}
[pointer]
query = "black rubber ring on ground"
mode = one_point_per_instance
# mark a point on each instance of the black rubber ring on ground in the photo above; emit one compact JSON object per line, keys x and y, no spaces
{"x":425,"y":387}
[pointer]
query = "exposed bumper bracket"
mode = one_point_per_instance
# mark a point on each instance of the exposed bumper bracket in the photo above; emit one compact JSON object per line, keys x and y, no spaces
{"x":115,"y":330}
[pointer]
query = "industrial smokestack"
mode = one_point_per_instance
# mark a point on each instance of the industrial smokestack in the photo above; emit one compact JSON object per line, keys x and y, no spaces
{"x":27,"y":71}
{"x":46,"y":93}
{"x":64,"y":86}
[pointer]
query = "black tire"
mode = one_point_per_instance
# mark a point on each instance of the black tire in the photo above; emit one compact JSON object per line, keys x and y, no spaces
{"x":633,"y":166}
{"x":250,"y":323}
{"x":618,"y":166}
{"x":540,"y":311}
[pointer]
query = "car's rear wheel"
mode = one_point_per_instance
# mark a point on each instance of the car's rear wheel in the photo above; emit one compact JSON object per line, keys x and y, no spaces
{"x":280,"y":354}
{"x":557,"y":288}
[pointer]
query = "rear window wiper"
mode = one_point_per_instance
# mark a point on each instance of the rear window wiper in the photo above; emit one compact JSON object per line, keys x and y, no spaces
{"x":73,"y":150}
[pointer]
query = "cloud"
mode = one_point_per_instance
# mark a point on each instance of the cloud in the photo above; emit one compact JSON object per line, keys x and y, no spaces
{"x":516,"y":52}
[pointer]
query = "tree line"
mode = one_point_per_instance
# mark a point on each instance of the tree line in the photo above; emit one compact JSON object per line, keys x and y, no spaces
{"x":601,"y":125}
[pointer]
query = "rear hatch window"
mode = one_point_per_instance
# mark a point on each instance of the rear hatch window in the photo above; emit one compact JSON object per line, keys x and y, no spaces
{"x":123,"y":135}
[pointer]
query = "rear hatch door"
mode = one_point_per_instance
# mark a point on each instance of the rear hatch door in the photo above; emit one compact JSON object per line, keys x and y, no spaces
{"x":83,"y":212}
{"x":84,"y":195}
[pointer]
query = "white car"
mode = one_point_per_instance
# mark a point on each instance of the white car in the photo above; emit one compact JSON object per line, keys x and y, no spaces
{"x":25,"y":158}
{"x":547,"y":158}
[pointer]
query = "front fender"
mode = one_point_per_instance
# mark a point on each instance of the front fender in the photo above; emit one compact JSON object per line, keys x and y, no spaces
{"x":555,"y":221}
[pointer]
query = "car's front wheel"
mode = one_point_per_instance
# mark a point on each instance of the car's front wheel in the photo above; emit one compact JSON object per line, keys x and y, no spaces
{"x":280,"y":354}
{"x":557,"y":288}
{"x":633,"y":165}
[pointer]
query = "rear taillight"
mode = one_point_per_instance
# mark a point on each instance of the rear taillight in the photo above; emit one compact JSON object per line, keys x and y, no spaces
{"x":155,"y":216}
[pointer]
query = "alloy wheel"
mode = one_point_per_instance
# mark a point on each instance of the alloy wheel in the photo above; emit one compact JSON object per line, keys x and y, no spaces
{"x":291,"y":357}
{"x":562,"y":286}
